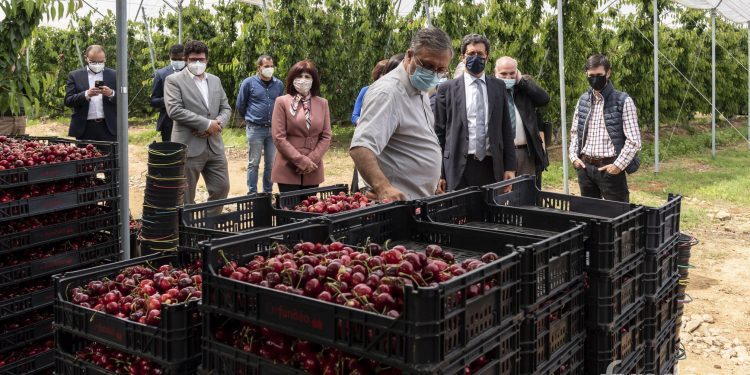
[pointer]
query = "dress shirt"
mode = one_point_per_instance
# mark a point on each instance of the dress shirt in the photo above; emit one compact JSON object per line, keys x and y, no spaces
{"x":96,"y":106}
{"x":471,"y":109}
{"x":202,"y":84}
{"x":598,"y":143}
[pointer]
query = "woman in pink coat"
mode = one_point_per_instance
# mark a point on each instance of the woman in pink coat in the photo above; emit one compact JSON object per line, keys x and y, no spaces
{"x":301,"y":130}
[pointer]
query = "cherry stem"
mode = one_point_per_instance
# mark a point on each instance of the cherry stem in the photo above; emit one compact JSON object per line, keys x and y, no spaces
{"x":226,"y":261}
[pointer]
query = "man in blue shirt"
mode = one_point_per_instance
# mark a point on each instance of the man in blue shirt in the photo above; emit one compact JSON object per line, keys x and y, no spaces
{"x":176,"y":64}
{"x":255,"y":102}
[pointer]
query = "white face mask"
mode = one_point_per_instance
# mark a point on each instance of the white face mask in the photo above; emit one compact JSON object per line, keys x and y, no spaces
{"x":302,"y":85}
{"x":197,"y":68}
{"x":267,"y":72}
{"x":177,"y":64}
{"x":96,"y":67}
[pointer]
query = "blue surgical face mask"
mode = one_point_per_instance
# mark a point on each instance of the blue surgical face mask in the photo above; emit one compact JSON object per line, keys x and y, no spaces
{"x":423,"y":79}
{"x":509,"y":83}
{"x":177,"y":64}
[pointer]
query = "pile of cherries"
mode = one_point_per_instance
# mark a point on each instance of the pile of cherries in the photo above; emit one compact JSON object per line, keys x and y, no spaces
{"x":24,"y":288}
{"x":46,"y":251}
{"x":334,"y":203}
{"x":116,"y":361}
{"x":26,"y":352}
{"x":23,"y":225}
{"x":310,"y":357}
{"x":49,"y":188}
{"x":370,"y":279}
{"x":21,"y":153}
{"x":24,"y":321}
{"x":138,"y":293}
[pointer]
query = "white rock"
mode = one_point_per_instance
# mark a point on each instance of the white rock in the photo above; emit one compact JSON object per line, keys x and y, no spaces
{"x":685,"y":337}
{"x":736,"y":342}
{"x":727,"y":353}
{"x":740,"y":349}
{"x":708,"y":318}
{"x":693,"y":325}
{"x":696,"y":317}
{"x":714,"y":331}
{"x":723,"y":215}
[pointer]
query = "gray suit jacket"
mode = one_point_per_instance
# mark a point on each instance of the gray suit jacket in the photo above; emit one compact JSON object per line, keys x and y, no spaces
{"x":186,"y":107}
{"x":451,"y":126}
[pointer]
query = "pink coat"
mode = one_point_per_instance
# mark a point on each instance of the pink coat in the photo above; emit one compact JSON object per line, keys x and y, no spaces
{"x":296,"y":145}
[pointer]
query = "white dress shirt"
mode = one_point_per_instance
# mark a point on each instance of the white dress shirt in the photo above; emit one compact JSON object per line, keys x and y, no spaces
{"x":96,"y":106}
{"x":520,"y":133}
{"x":471,"y":110}
{"x":202,"y":84}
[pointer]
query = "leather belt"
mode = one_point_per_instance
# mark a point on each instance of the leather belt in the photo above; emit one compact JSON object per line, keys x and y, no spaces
{"x":472,"y":156}
{"x":258,"y":125}
{"x":598,"y":162}
{"x":519,"y":147}
{"x":96,"y":120}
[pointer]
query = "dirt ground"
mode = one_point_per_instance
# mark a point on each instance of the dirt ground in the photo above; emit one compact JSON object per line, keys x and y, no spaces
{"x":718,"y":284}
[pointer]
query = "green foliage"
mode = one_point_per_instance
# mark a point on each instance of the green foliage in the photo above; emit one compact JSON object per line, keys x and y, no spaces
{"x":346,"y":38}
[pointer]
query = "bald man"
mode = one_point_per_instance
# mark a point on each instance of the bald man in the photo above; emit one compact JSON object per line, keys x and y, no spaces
{"x":524,"y":97}
{"x":90,"y":92}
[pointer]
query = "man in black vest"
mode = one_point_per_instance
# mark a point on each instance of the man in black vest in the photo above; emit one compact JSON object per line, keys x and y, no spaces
{"x":604,"y":136}
{"x":176,"y":64}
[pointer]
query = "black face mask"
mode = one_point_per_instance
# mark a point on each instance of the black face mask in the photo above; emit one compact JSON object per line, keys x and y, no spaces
{"x":597,"y":82}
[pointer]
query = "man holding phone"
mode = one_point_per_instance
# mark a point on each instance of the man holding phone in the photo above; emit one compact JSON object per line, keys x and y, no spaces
{"x":90,"y":92}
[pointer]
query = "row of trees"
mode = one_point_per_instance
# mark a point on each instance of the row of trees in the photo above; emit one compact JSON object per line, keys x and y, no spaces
{"x":346,"y":38}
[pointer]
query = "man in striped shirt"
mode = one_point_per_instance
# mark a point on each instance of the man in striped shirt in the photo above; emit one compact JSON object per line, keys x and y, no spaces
{"x":604,"y":137}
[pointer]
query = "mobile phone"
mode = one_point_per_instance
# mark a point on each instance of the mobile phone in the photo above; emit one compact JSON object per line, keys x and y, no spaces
{"x":98,"y":83}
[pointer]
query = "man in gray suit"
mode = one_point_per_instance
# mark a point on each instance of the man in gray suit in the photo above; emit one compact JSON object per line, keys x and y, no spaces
{"x":473,"y":123}
{"x":198,"y":105}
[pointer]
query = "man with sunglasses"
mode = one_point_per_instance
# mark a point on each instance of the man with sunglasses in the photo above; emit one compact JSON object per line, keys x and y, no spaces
{"x":395,"y":147}
{"x":473,"y":123}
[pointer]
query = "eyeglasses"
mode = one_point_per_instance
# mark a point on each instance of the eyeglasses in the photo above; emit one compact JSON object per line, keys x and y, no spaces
{"x":192,"y":60}
{"x":440,"y":72}
{"x":474,"y":53}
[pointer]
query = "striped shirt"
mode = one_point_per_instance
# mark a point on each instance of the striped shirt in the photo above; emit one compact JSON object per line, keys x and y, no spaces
{"x":598,"y":143}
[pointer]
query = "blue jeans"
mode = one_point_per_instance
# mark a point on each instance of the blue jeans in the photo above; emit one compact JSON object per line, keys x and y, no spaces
{"x":259,"y":139}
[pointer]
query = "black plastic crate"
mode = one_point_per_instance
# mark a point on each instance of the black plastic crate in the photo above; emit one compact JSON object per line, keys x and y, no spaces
{"x":31,"y":365}
{"x":61,"y":231}
{"x":551,"y":328}
{"x":56,"y":202}
{"x":659,"y":268}
{"x":568,"y":361}
{"x":61,"y":262}
{"x":612,"y":298}
{"x":65,"y":170}
{"x":433,"y":325}
{"x":546,"y":267}
{"x":663,"y":223}
{"x":176,"y":338}
{"x":616,"y":230}
{"x":249,"y":212}
{"x":501,"y":351}
{"x":67,"y":364}
{"x":26,"y":334}
{"x":16,"y":306}
{"x":660,"y":311}
{"x":661,"y":354}
{"x":622,"y":343}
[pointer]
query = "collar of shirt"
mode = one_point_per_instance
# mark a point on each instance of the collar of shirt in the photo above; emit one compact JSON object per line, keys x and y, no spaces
{"x":92,"y":74}
{"x":598,"y":97}
{"x":195,"y":77}
{"x":469,"y":79}
{"x":403,"y":77}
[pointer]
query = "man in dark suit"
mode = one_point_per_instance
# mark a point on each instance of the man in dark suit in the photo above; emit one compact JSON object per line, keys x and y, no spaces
{"x":90,"y":92}
{"x":524,"y":97}
{"x":176,"y":64}
{"x":472,"y":123}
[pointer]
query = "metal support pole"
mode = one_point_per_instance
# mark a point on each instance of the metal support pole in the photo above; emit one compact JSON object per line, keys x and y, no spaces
{"x":656,"y":86}
{"x":268,"y":22}
{"x":713,"y":83}
{"x":563,"y":114}
{"x":179,"y":21}
{"x":122,"y":122}
{"x":150,"y":42}
{"x":427,"y":12}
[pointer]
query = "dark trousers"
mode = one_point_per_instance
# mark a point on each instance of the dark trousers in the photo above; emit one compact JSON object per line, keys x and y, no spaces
{"x":284,"y":188}
{"x":477,"y":173}
{"x":97,"y":131}
{"x":166,"y":134}
{"x":596,"y":184}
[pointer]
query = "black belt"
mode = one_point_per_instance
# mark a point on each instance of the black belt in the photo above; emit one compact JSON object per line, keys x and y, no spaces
{"x":598,"y":162}
{"x":257,"y":125}
{"x":518,"y":147}
{"x":472,"y":156}
{"x":96,"y":120}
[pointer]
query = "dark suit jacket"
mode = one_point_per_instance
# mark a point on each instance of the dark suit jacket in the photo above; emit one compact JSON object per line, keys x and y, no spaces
{"x":451,"y":126}
{"x":75,"y":97}
{"x":157,"y":97}
{"x":528,"y":96}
